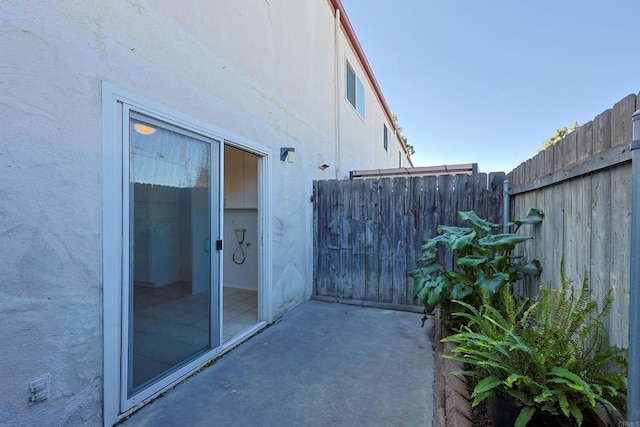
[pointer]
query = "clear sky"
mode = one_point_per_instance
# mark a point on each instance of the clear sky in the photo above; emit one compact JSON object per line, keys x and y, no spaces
{"x":488,"y":82}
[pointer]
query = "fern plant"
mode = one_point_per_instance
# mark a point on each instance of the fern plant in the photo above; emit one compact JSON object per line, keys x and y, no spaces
{"x":548,"y":355}
{"x":484,"y":263}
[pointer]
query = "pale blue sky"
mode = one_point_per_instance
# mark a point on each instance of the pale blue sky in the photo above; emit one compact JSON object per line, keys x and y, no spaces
{"x":489,"y":81}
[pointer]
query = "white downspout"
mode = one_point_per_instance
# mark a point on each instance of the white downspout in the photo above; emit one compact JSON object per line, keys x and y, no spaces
{"x":336,"y":77}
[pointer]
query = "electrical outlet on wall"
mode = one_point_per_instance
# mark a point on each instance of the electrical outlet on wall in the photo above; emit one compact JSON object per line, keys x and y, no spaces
{"x":38,"y":389}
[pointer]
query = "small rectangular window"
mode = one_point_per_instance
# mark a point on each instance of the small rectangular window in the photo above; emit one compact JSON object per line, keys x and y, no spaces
{"x":355,"y":91}
{"x":399,"y":159}
{"x":386,"y":137}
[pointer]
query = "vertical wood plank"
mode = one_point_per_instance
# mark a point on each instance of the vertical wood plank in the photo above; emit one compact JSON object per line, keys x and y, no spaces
{"x":601,"y":205}
{"x":557,"y":156}
{"x":447,"y":214}
{"x":553,"y":225}
{"x":322,"y":234}
{"x":601,"y":240}
{"x":621,"y":133}
{"x":344,"y":283}
{"x":584,"y":141}
{"x":602,"y":132}
{"x":621,"y":126}
{"x":462,"y":194}
{"x":620,"y":256}
{"x":358,"y":239}
{"x":548,"y":160}
{"x":480,"y":200}
{"x":400,"y":232}
{"x":583,"y":185}
{"x":387,"y":200}
{"x":540,"y":165}
{"x":569,"y":149}
{"x":569,"y":225}
{"x":520,"y":177}
{"x":333,"y":234}
{"x":528,"y":170}
{"x":372,"y":239}
{"x":416,"y":229}
{"x":494,"y":197}
{"x":431,"y":208}
{"x":318,"y":243}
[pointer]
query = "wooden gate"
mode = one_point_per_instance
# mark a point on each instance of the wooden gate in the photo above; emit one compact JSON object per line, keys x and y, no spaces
{"x":368,"y":233}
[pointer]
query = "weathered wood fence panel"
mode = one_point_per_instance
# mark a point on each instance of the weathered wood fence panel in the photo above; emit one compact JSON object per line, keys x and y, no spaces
{"x":583,"y":185}
{"x":369,"y":233}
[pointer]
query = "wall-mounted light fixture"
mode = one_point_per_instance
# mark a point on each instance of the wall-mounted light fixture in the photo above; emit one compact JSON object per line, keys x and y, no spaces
{"x":288,"y":154}
{"x":323,"y":166}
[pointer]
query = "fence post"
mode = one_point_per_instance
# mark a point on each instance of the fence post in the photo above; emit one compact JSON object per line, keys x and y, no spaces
{"x":506,"y":192}
{"x":633,"y":353}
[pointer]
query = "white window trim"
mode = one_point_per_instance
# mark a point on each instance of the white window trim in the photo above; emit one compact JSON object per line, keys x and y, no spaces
{"x":346,"y":90}
{"x":114,"y":100}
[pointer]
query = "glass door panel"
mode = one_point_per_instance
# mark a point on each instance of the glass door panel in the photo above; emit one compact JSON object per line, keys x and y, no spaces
{"x":172,"y":306}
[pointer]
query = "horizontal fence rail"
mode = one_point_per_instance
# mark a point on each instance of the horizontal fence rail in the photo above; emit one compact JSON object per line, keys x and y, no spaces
{"x":369,"y":232}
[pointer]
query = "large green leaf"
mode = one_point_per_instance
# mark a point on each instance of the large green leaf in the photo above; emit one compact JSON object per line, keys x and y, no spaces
{"x":477,"y":221}
{"x":576,"y":413}
{"x":525,"y":416}
{"x":426,"y":271}
{"x":516,"y":379}
{"x":503,"y":242}
{"x":535,"y":216}
{"x":460,"y":291}
{"x":461,"y":241}
{"x":431,"y":243}
{"x":532,"y":268}
{"x":429,"y":256}
{"x":472,"y":260}
{"x":434,"y":294}
{"x":487,"y":384}
{"x":567,"y":377}
{"x":427,"y":286}
{"x":450,"y":229}
{"x":456,"y":276}
{"x":563,"y":402}
{"x":492,"y":284}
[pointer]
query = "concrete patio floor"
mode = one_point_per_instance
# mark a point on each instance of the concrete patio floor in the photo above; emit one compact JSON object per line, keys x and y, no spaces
{"x":324,"y":364}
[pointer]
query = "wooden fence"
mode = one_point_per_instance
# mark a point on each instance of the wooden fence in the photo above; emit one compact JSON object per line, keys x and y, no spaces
{"x":583,"y":185}
{"x":368,"y":233}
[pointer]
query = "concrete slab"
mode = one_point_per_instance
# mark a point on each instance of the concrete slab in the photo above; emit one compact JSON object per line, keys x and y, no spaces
{"x":323,"y":365}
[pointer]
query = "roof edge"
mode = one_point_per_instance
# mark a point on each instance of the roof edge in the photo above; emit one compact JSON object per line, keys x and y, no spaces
{"x":351,"y":35}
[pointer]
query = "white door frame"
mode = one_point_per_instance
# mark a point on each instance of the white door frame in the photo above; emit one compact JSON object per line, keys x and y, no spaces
{"x":115,"y":104}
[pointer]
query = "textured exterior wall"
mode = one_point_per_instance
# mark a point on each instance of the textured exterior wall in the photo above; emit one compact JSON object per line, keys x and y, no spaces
{"x":260,"y":69}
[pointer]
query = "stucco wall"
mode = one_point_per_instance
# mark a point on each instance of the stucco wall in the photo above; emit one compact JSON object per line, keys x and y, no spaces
{"x":362,"y":140}
{"x":257,"y":68}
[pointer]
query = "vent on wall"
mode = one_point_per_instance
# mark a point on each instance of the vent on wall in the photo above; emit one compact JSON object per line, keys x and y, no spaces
{"x":38,"y":389}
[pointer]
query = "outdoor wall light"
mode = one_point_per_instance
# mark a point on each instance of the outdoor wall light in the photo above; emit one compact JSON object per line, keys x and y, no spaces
{"x":323,"y":166}
{"x":288,"y":154}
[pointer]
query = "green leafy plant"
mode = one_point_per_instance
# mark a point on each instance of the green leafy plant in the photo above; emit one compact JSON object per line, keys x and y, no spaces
{"x":483,"y":263}
{"x":547,"y":356}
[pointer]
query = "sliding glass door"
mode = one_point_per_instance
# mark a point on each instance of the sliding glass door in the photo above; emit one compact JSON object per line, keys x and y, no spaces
{"x":171,"y":285}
